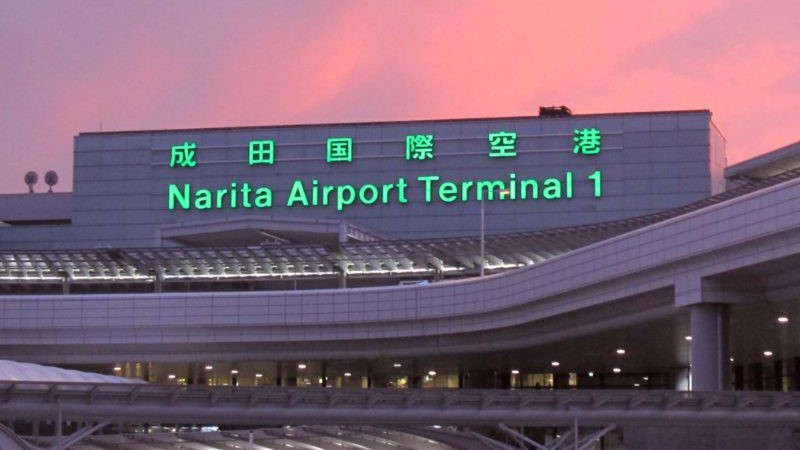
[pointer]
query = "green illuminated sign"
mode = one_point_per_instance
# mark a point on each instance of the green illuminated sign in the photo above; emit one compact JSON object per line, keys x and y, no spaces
{"x":419,"y":147}
{"x":340,"y":150}
{"x":434,"y":189}
{"x":183,"y":155}
{"x":261,"y":152}
{"x":502,"y":144}
{"x":587,"y":141}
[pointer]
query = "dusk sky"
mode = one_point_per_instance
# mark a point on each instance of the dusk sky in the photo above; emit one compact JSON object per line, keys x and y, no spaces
{"x":69,"y":66}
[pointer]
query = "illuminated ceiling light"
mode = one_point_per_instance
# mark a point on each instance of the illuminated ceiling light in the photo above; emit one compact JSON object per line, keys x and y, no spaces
{"x":515,"y":372}
{"x":234,"y":372}
{"x":555,"y":363}
{"x":117,"y":369}
{"x":767,"y":353}
{"x":259,"y":375}
{"x":432,"y":373}
{"x":397,"y":365}
{"x":591,"y":374}
{"x":635,"y":384}
{"x":688,"y":338}
{"x":301,"y":366}
{"x":645,"y":378}
{"x":616,"y":370}
{"x":348,"y":374}
{"x":171,"y":376}
{"x":731,"y":359}
{"x":783,"y":319}
{"x":209,"y":367}
{"x":620,"y":351}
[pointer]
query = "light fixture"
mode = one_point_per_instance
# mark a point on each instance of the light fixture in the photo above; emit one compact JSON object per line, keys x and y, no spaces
{"x":234,"y":372}
{"x":117,"y":369}
{"x":767,"y":353}
{"x":635,"y":384}
{"x":259,"y":375}
{"x":171,"y":376}
{"x":620,"y":351}
{"x":209,"y":367}
{"x":432,"y":373}
{"x":616,"y":370}
{"x":347,"y":374}
{"x":783,"y":319}
{"x":301,"y":366}
{"x":591,"y":374}
{"x":645,"y":378}
{"x":555,"y":363}
{"x":515,"y":372}
{"x":397,"y":365}
{"x":688,"y":338}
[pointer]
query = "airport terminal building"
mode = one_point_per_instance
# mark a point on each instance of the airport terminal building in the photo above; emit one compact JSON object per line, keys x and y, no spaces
{"x":553,"y":251}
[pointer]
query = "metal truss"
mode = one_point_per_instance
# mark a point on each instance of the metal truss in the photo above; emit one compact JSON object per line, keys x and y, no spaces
{"x":91,"y":402}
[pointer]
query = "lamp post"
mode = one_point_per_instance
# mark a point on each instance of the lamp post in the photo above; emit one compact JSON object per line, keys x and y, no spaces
{"x":483,"y":227}
{"x":501,"y":193}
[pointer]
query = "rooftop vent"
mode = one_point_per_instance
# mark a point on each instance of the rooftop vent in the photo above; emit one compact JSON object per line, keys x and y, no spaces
{"x":554,"y":111}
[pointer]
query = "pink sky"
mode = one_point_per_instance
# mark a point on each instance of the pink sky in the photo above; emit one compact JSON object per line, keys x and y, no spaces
{"x":65,"y":67}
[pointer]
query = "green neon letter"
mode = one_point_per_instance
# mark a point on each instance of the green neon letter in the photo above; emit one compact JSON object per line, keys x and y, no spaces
{"x":183,"y":198}
{"x":448,"y":192}
{"x":202,"y":199}
{"x":264,"y":197}
{"x":342,"y":199}
{"x":297,"y":194}
{"x":401,"y":191}
{"x":597,"y":177}
{"x":368,"y":194}
{"x":428,"y":180}
{"x":489,"y":188}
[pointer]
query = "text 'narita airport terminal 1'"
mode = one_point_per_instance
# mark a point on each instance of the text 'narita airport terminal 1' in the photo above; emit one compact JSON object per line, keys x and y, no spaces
{"x":313,"y":193}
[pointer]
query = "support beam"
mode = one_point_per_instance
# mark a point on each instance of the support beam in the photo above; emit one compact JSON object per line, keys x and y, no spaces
{"x":75,"y":437}
{"x":709,"y":347}
{"x":589,"y":440}
{"x":521,"y":439}
{"x":10,"y":441}
{"x":491,"y":443}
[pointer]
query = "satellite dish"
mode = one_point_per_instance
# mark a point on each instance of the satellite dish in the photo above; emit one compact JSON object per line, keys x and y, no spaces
{"x":51,"y":178}
{"x":30,"y":179}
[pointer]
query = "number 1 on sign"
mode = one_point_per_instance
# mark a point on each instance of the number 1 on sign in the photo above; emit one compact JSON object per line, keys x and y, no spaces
{"x":597,"y":177}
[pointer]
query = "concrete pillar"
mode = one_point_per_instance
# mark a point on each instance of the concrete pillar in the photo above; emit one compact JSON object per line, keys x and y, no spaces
{"x":710,"y":354}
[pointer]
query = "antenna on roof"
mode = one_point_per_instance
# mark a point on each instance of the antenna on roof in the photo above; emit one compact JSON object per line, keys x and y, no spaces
{"x":51,"y":178}
{"x":30,"y":179}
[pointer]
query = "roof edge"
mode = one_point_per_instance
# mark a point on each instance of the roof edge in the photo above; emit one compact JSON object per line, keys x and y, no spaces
{"x":410,"y":121}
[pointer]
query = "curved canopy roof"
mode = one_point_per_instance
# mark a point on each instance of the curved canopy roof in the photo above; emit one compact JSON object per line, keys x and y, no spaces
{"x":353,"y":259}
{"x":20,"y":371}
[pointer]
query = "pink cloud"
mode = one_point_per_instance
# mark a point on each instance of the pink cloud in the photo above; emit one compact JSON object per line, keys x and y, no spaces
{"x":149,"y":65}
